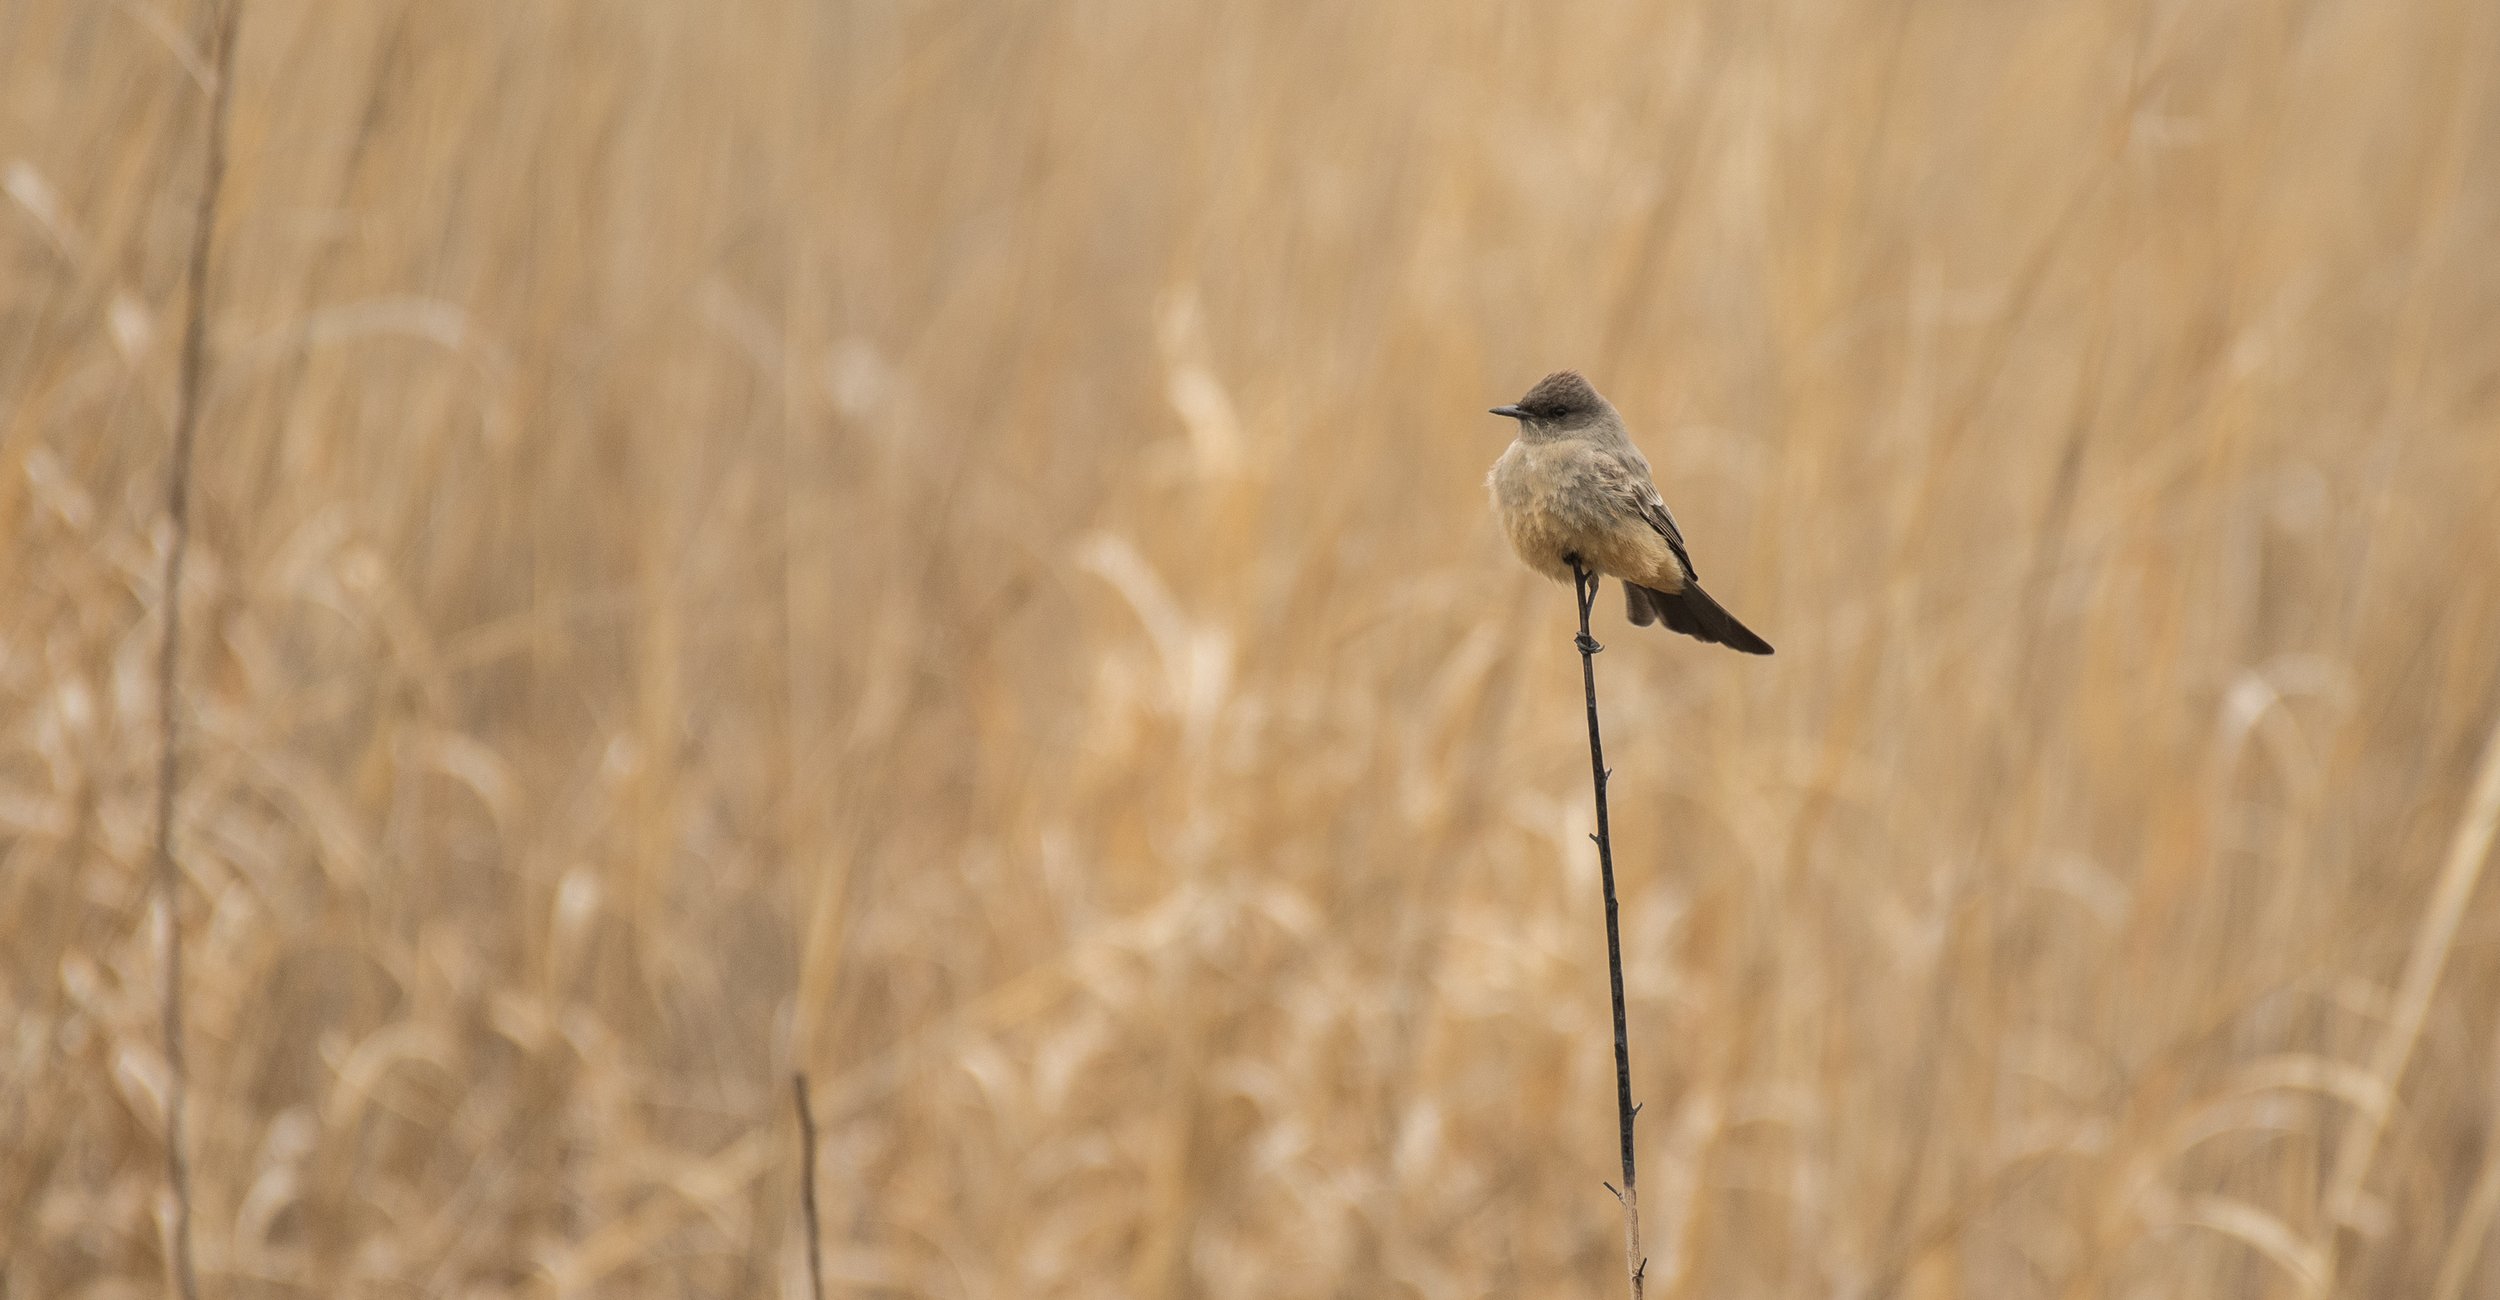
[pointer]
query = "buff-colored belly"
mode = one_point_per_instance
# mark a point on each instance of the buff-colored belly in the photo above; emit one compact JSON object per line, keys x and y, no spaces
{"x":1555,"y":503}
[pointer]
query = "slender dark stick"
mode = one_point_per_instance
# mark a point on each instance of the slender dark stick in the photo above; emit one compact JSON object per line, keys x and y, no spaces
{"x":182,"y":1275}
{"x":1584,"y":590}
{"x":807,"y":1189}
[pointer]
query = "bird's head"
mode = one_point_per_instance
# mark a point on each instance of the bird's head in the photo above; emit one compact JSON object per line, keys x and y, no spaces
{"x":1560,"y":402}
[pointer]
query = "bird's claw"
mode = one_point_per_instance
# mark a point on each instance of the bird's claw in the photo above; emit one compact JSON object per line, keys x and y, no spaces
{"x":1588,"y":644}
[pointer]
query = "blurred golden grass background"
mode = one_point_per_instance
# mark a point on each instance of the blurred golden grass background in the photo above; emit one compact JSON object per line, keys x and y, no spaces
{"x":940,"y":545}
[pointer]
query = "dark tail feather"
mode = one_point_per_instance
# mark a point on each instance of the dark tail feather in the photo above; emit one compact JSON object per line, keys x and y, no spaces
{"x":1693,"y":613}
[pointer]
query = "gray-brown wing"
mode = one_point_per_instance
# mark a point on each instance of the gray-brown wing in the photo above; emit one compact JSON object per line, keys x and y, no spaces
{"x":1635,"y":484}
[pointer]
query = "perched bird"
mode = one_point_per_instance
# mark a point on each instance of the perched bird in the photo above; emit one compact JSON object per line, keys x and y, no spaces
{"x":1573,"y":489}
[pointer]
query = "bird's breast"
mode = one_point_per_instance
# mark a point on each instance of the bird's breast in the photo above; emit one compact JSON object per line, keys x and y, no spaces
{"x":1560,"y":501}
{"x":1544,"y":497}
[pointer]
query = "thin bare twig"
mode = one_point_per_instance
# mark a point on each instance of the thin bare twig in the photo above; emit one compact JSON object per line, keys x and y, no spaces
{"x":1636,"y":1265}
{"x":807,"y":1189}
{"x":182,"y":1275}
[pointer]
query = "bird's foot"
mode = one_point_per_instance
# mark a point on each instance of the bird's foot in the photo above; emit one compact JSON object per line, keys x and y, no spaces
{"x":1588,"y":644}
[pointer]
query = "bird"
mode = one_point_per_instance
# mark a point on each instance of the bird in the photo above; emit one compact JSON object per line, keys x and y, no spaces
{"x":1574,"y":493}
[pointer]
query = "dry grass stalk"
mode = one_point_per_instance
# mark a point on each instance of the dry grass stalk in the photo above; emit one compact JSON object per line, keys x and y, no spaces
{"x":814,"y":1242}
{"x":182,"y":1273}
{"x":2469,"y":851}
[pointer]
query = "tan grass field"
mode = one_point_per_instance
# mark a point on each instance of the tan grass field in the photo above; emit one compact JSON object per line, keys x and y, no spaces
{"x":941,"y":545}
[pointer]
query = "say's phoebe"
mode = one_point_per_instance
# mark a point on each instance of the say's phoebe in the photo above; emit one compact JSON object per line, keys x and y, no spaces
{"x":1573,"y":490}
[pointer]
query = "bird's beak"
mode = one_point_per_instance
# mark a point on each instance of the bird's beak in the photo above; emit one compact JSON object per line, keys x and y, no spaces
{"x":1511,"y":411}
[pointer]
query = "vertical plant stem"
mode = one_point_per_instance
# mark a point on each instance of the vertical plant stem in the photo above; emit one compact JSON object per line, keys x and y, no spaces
{"x":182,"y":1275}
{"x":807,"y":1189}
{"x":1636,"y":1265}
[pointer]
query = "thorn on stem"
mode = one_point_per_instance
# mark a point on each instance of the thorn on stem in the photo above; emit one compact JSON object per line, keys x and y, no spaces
{"x":1611,"y":1187}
